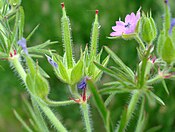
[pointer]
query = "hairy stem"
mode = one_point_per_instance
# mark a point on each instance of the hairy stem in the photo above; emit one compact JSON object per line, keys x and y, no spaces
{"x":39,"y":119}
{"x":137,"y":38}
{"x":85,"y":112}
{"x":50,"y":115}
{"x":17,"y":65}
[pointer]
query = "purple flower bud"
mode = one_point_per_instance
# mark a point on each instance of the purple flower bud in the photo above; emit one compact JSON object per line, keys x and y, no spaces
{"x":22,"y":43}
{"x":82,"y":84}
{"x":166,"y":1}
{"x":172,"y":25}
{"x":52,"y":62}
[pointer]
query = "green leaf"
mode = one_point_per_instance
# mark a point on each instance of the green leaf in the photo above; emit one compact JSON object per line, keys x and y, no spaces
{"x":155,"y":129}
{"x":109,"y":72}
{"x":157,"y":98}
{"x":77,"y":72}
{"x":33,"y":31}
{"x":108,"y":100}
{"x":165,"y":86}
{"x":141,"y":123}
{"x":99,"y":72}
{"x":43,"y":45}
{"x":120,"y":63}
{"x":106,"y":70}
{"x":22,"y":121}
{"x":131,"y":108}
{"x":36,"y":115}
{"x":121,"y":126}
{"x":111,"y":90}
{"x":100,"y":106}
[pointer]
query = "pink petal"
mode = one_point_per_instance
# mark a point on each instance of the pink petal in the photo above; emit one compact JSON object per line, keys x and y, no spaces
{"x":120,"y":23}
{"x":113,"y":34}
{"x":130,"y":18}
{"x":119,"y":29}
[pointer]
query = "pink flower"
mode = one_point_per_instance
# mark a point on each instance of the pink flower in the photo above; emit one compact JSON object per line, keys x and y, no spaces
{"x":127,"y":27}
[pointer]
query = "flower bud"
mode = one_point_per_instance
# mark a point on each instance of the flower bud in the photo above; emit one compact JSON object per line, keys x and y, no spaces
{"x":148,"y":29}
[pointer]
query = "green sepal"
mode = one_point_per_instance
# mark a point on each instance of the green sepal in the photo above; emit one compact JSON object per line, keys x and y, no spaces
{"x":77,"y":72}
{"x":125,"y":36}
{"x":91,"y":69}
{"x":61,"y":71}
{"x":173,"y":35}
{"x":37,"y":84}
{"x":41,"y":86}
{"x":148,"y":30}
{"x":14,"y":2}
{"x":129,"y":36}
{"x":31,"y":66}
{"x":160,"y":43}
{"x":168,"y":51}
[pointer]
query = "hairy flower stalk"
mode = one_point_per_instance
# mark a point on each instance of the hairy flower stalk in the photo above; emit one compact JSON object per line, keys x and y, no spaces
{"x":86,"y":116}
{"x":17,"y":65}
{"x":84,"y":105}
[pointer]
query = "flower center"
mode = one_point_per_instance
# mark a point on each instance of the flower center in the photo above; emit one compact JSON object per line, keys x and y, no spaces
{"x":127,"y":25}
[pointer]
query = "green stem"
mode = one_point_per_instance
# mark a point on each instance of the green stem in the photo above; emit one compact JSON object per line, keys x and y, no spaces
{"x":50,"y":115}
{"x":137,"y":38}
{"x":143,"y":67}
{"x":85,"y":111}
{"x":18,"y":67}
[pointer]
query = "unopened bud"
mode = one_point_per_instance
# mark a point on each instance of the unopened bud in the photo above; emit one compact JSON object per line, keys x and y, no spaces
{"x":148,"y":30}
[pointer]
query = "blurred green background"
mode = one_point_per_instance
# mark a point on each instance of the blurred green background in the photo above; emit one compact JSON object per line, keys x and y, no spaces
{"x":47,"y":13}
